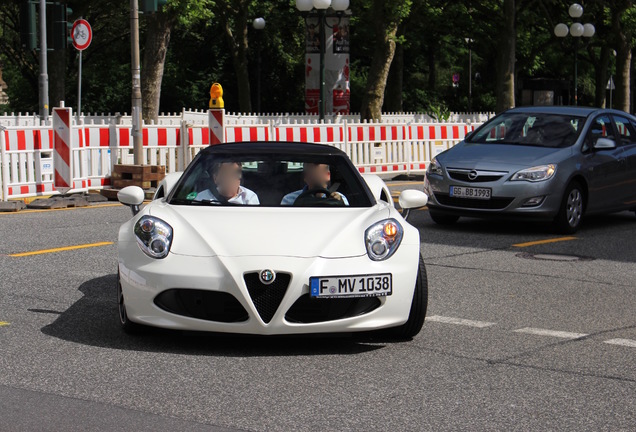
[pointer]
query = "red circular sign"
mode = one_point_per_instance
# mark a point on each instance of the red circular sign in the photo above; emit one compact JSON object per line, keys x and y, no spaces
{"x":82,"y":34}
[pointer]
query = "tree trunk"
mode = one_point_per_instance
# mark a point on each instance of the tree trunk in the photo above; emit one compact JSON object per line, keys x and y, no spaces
{"x":505,"y":83}
{"x":432,"y":67}
{"x":600,"y":75}
{"x":623,"y":58}
{"x":386,"y":16}
{"x":623,"y":71}
{"x":394,"y":85}
{"x":159,"y":26}
{"x":236,"y":18}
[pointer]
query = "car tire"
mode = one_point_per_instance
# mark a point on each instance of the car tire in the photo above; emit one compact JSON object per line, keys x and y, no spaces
{"x":442,"y":218}
{"x":127,"y":325}
{"x":417,"y":313}
{"x":570,"y":215}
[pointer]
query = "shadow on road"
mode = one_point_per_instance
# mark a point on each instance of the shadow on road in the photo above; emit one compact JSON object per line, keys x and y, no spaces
{"x":93,"y":320}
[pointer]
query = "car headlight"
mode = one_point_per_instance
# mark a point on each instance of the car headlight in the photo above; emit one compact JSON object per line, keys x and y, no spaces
{"x":383,"y":238}
{"x":154,"y":236}
{"x":535,"y":174}
{"x":434,"y":168}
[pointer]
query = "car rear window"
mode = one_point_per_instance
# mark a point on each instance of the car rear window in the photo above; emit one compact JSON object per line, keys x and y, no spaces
{"x":533,"y":129}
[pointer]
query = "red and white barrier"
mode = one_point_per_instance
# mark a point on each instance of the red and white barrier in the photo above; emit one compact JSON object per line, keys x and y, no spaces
{"x":217,"y":126}
{"x":90,"y":151}
{"x":62,"y":158}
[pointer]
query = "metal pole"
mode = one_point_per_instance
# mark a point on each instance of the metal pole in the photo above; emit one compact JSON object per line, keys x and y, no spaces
{"x":136,"y":84}
{"x":576,"y":77}
{"x":44,"y":75}
{"x":321,"y":101}
{"x":470,"y":78}
{"x":258,"y":78}
{"x":79,"y":89}
{"x":610,"y":86}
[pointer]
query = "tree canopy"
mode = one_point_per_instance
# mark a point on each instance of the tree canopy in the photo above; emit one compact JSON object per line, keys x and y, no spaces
{"x":403,"y":55}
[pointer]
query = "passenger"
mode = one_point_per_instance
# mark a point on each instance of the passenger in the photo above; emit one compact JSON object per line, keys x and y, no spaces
{"x":316,"y":176}
{"x":227,"y":178}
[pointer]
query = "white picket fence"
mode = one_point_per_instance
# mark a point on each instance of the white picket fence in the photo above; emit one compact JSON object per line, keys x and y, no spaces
{"x":387,"y":148}
{"x":200,"y":117}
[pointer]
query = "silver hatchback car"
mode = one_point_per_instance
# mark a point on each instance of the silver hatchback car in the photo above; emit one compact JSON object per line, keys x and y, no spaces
{"x":539,"y":163}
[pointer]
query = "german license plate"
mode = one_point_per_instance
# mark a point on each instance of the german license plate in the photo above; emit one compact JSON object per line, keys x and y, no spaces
{"x":470,"y":192}
{"x":372,"y":285}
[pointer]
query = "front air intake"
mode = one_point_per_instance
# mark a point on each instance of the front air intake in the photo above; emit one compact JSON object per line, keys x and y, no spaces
{"x":267,"y":298}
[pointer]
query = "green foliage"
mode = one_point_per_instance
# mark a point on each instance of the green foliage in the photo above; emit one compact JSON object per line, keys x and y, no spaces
{"x":432,"y":35}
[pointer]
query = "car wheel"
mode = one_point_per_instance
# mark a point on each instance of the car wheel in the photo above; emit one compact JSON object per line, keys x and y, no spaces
{"x":417,"y":312}
{"x":443,"y":219}
{"x":570,"y":214}
{"x":126,"y":325}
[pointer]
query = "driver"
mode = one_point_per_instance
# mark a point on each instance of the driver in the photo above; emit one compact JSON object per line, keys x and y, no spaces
{"x":227,"y":178}
{"x":316,"y":176}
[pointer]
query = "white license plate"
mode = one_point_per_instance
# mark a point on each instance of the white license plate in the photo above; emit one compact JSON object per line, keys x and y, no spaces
{"x":470,"y":192}
{"x":373,"y":285}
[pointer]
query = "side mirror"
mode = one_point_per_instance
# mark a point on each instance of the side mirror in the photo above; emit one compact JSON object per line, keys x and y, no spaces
{"x":468,"y":135}
{"x":132,"y":196}
{"x":604,"y":144}
{"x":411,"y":199}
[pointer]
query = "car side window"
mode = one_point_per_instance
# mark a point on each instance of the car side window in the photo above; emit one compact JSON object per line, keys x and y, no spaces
{"x":601,"y":128}
{"x":625,"y":129}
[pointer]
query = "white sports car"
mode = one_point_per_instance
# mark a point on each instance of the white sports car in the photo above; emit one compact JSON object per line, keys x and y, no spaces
{"x":271,"y":238}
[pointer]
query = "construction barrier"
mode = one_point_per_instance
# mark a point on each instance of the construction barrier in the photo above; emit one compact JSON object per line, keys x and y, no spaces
{"x":28,"y":163}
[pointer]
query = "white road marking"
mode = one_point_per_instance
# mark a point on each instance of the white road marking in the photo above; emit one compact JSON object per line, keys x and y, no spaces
{"x":459,"y":321}
{"x":553,"y":333}
{"x":623,"y":342}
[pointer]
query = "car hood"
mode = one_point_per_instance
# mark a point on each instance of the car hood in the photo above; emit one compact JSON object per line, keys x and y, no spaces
{"x":500,"y":157}
{"x":263,"y":231}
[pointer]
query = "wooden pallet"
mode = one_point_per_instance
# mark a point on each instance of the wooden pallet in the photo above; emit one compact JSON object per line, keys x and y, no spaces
{"x":144,"y":176}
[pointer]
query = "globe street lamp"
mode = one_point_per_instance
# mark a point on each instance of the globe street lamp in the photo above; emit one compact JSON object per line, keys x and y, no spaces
{"x":321,"y":7}
{"x":258,"y":24}
{"x":576,"y":30}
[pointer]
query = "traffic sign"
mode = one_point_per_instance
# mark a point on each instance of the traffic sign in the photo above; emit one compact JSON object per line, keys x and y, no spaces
{"x":82,"y":34}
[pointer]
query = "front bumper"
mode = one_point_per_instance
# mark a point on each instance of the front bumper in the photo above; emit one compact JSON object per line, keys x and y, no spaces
{"x":144,"y":279}
{"x":508,"y":199}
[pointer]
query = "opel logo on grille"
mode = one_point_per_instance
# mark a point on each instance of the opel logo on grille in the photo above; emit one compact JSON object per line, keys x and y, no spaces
{"x":473,"y":175}
{"x":267,"y":276}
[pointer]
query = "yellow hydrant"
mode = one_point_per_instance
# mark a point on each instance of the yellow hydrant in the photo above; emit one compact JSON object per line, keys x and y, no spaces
{"x":216,"y":96}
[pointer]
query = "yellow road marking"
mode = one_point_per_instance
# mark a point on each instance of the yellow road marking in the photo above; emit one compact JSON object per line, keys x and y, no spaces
{"x":3,"y":323}
{"x":540,"y":242}
{"x":61,"y":249}
{"x":28,"y":211}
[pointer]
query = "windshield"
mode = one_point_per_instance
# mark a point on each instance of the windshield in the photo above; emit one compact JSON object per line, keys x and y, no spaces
{"x":534,"y":129}
{"x":270,"y":180}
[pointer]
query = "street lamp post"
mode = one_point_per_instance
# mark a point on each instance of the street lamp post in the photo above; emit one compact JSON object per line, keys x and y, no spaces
{"x":259,"y":24}
{"x":469,"y":41}
{"x":321,"y":7}
{"x":577,"y":30}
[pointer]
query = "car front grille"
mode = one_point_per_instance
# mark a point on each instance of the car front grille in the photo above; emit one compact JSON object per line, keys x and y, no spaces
{"x":206,"y":305}
{"x":469,"y":203}
{"x":463,"y":176}
{"x":267,"y":298}
{"x":309,"y":310}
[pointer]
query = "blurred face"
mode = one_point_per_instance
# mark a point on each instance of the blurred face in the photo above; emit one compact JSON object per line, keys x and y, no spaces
{"x":317,"y":175}
{"x":228,"y":179}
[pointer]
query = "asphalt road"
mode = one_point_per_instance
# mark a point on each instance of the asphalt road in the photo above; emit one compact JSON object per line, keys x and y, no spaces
{"x":520,"y":335}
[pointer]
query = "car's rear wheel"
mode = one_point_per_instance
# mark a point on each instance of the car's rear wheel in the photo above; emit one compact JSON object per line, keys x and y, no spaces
{"x":417,"y":313}
{"x":442,"y":218}
{"x":126,"y":324}
{"x":570,"y":215}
